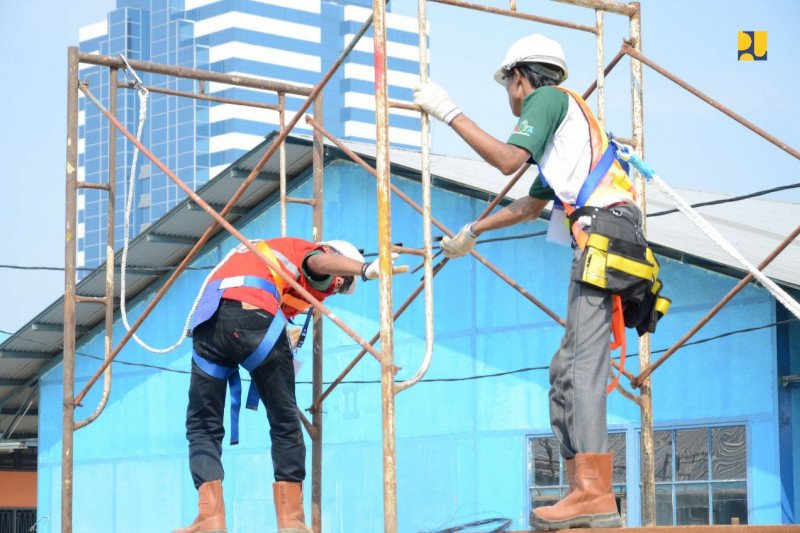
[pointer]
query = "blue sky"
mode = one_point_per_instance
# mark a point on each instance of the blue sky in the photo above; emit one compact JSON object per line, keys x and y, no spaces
{"x":690,"y":144}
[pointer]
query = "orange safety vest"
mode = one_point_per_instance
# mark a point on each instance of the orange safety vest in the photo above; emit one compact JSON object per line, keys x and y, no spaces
{"x":289,"y":253}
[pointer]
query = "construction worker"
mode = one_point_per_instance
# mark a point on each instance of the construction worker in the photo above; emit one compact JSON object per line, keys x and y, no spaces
{"x":240,"y":319}
{"x":558,"y":132}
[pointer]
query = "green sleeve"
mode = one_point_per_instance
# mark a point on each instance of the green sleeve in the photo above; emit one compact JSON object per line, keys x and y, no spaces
{"x":542,"y":112}
{"x":320,"y":282}
{"x":540,"y":190}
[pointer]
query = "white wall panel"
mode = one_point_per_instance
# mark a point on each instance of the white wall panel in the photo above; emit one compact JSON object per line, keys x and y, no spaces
{"x":264,"y":54}
{"x":367,"y":73}
{"x":92,"y":31}
{"x":312,"y":6}
{"x":400,"y":51}
{"x":396,"y":135}
{"x":246,"y":21}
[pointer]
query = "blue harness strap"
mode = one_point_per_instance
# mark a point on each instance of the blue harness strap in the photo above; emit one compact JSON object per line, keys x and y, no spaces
{"x":303,"y":331}
{"x":592,"y":180}
{"x":212,"y":294}
{"x":596,"y":175}
{"x":253,"y":361}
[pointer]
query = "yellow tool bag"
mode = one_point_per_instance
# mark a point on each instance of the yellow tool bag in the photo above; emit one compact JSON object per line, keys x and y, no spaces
{"x":617,"y":259}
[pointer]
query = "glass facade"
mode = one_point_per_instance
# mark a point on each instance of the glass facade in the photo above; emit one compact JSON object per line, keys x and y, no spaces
{"x":273,"y":39}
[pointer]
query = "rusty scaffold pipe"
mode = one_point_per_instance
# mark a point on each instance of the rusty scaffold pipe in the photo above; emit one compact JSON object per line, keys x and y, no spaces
{"x":312,"y":94}
{"x":636,"y":382}
{"x":226,"y":225}
{"x":518,"y":15}
{"x":713,"y":103}
{"x":352,"y":155}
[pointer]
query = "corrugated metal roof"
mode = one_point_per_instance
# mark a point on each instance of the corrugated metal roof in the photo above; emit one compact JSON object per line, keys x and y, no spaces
{"x":36,"y":346}
{"x":755,"y":226}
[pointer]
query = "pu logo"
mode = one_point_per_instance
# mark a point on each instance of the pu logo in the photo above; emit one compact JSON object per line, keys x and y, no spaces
{"x":752,"y":46}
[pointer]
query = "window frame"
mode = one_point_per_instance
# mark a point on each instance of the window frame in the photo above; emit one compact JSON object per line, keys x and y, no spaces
{"x":708,"y":426}
{"x":625,"y":496}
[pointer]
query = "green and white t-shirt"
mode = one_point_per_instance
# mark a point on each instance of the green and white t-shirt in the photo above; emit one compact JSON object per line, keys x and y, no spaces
{"x":553,"y":129}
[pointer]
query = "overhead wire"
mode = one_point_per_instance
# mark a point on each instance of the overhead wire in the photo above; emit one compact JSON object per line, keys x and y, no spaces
{"x":430,"y":380}
{"x":481,"y":241}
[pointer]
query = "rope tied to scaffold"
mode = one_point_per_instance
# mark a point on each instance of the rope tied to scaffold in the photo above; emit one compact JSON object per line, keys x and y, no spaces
{"x":143,"y":93}
{"x":626,"y":153}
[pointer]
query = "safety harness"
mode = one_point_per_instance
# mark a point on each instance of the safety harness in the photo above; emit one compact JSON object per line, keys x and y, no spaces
{"x":207,"y":306}
{"x":615,"y":256}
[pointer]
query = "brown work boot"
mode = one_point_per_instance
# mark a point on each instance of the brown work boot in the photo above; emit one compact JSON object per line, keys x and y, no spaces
{"x":210,"y":510}
{"x":591,"y":504}
{"x":289,"y":507}
{"x":570,"y":474}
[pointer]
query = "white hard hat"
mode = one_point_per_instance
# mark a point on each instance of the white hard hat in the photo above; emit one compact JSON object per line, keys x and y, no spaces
{"x":347,"y":250}
{"x":534,"y":49}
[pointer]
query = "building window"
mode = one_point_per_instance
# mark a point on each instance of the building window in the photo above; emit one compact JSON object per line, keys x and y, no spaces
{"x":701,"y":476}
{"x":17,"y":520}
{"x":548,"y":474}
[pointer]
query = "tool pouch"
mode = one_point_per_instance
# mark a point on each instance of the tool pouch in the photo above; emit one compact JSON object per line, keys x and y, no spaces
{"x":617,"y":259}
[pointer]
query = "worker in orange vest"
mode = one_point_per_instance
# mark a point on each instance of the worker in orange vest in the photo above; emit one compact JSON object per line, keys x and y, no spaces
{"x":240,"y":319}
{"x":578,"y":170}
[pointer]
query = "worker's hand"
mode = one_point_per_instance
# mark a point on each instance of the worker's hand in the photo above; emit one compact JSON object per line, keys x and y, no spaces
{"x":434,"y":101}
{"x":461,"y":244}
{"x":293,"y":335}
{"x":373,"y":270}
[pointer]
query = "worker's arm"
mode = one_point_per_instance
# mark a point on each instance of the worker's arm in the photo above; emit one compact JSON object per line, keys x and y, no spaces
{"x":521,"y":209}
{"x":319,"y":266}
{"x":507,"y":158}
{"x":435,"y":101}
{"x":525,"y":208}
{"x":322,"y":264}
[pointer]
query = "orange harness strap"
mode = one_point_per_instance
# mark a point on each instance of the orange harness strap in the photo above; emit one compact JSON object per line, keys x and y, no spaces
{"x":617,"y":317}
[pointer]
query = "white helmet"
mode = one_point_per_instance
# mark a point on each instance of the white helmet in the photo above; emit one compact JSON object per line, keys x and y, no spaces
{"x":347,"y":250}
{"x":535,"y":49}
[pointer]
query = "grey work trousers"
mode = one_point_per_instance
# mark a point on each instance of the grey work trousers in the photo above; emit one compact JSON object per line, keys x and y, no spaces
{"x":579,"y":369}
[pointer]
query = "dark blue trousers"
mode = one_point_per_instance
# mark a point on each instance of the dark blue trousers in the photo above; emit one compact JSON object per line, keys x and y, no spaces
{"x":227,"y":338}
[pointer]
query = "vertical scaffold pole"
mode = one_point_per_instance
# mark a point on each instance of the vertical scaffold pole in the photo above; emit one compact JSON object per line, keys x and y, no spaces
{"x":282,"y":158}
{"x":316,"y":388}
{"x":601,"y":84}
{"x":113,"y":82}
{"x":648,"y":493}
{"x":70,"y":254}
{"x":385,"y":262}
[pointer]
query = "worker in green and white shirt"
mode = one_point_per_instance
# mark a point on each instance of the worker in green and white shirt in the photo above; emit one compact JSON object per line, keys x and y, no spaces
{"x":556,"y":131}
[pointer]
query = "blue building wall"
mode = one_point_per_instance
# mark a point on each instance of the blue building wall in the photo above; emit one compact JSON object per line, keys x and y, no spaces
{"x":462,"y":445}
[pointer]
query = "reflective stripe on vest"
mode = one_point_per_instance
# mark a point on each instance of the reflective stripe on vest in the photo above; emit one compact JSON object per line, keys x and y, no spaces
{"x":297,"y":305}
{"x":615,"y":183}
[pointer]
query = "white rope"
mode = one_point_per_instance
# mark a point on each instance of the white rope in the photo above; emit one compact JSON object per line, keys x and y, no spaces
{"x":143,"y":94}
{"x":779,"y":294}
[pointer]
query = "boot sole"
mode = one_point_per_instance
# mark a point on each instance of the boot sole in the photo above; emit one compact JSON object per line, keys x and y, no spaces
{"x":609,"y":520}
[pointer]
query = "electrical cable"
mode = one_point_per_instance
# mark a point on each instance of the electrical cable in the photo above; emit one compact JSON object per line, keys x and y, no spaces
{"x":503,"y":525}
{"x":427,"y":380}
{"x":727,"y":200}
{"x":481,"y":241}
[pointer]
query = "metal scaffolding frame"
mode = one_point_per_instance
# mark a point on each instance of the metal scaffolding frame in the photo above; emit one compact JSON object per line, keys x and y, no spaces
{"x":389,"y":387}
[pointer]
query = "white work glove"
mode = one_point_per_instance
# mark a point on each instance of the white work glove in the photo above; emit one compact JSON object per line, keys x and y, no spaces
{"x":434,"y":101}
{"x":373,"y":270}
{"x":461,"y":244}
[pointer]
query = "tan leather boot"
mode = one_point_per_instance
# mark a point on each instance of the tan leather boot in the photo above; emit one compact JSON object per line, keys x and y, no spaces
{"x":590,"y":505}
{"x":289,"y":507}
{"x":570,"y":474}
{"x":210,"y":510}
